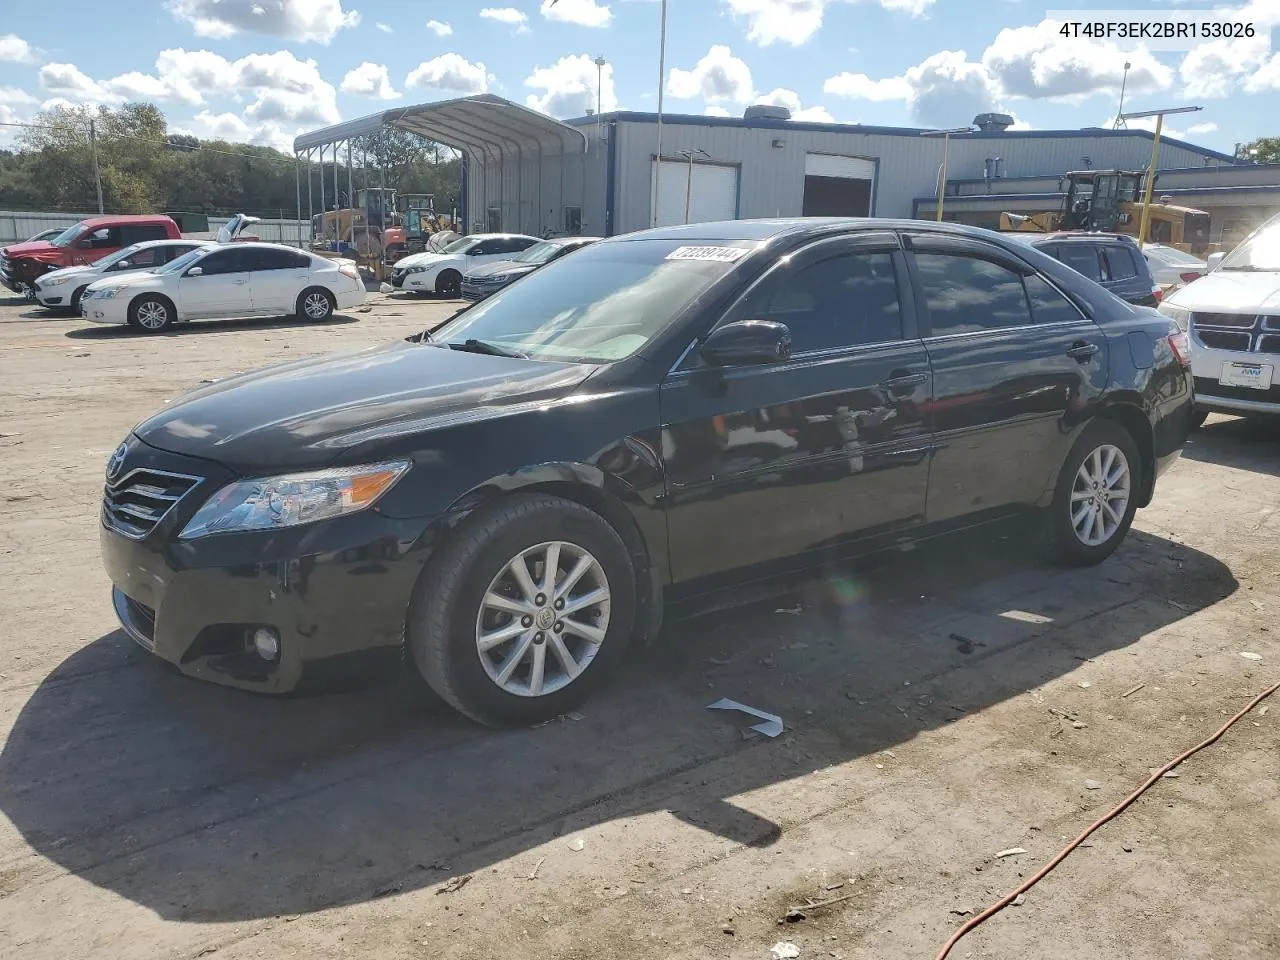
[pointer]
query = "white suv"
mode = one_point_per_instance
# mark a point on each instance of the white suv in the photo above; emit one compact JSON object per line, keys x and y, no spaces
{"x":1233,"y":317}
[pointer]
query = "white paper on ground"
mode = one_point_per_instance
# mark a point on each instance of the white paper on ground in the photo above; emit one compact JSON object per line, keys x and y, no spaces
{"x":772,"y":725}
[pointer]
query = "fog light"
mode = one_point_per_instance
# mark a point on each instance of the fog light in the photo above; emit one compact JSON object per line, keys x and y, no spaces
{"x":267,"y":643}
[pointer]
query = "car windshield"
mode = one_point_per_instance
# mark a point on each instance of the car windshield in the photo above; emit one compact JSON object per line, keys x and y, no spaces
{"x":68,"y":236}
{"x":1259,"y":252}
{"x":603,"y":304}
{"x":461,"y":245}
{"x":116,"y":257}
{"x":538,"y":253}
{"x":1174,"y":255}
{"x":184,"y":261}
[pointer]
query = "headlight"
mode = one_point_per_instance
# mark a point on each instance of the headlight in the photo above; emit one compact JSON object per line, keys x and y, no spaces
{"x":55,"y":282}
{"x":108,"y":292}
{"x":499,"y":278}
{"x":274,"y":502}
{"x":1179,"y":315}
{"x":415,"y":269}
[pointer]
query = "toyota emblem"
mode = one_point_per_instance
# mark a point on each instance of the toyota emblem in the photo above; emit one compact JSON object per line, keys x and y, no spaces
{"x":116,"y":461}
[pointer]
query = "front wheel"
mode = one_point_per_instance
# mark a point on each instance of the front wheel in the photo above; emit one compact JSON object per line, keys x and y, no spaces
{"x":1096,"y":495}
{"x":525,"y":611}
{"x":449,"y":284}
{"x":314,"y":305}
{"x":150,"y":314}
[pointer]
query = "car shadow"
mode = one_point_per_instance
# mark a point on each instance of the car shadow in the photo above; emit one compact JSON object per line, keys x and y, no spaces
{"x":1243,"y":443}
{"x":206,"y":804}
{"x":197,"y":327}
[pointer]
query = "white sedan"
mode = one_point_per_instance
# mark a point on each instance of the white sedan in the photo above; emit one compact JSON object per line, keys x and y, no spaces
{"x":442,"y":272}
{"x":1171,"y":266}
{"x":227,"y":280}
{"x":62,"y":289}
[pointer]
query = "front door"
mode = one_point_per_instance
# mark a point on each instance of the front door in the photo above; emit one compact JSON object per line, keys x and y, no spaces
{"x":1016,"y":367}
{"x":220,"y":289}
{"x":800,"y":458}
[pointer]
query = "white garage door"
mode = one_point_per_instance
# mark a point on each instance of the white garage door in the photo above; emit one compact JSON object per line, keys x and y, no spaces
{"x":830,"y":165}
{"x":714,"y":195}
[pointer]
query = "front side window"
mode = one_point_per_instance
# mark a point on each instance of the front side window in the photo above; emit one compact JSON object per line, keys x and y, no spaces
{"x":603,"y":304}
{"x":843,"y":300}
{"x":128,"y":253}
{"x":68,"y":236}
{"x":965,"y":294}
{"x":222,"y":261}
{"x":539,"y":252}
{"x":461,"y":245}
{"x":188,"y":259}
{"x":146,"y":257}
{"x":1047,"y":304}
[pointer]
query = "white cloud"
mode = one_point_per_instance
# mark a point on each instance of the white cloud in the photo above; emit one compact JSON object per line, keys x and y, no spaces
{"x":508,"y":15}
{"x":138,"y":86}
{"x":14,"y":48}
{"x":782,"y":97}
{"x":858,"y":86}
{"x":1199,"y":128}
{"x":439,"y":28}
{"x":1219,"y":67}
{"x":947,"y":90}
{"x":449,"y":71}
{"x":298,"y":20}
{"x":716,"y":111}
{"x":1267,"y":77}
{"x":569,"y":87}
{"x":369,"y":80}
{"x":13,"y":97}
{"x":585,"y":13}
{"x":1037,"y":62}
{"x":68,"y":81}
{"x":384,"y":27}
{"x":218,"y":126}
{"x":795,"y":21}
{"x":718,"y":76}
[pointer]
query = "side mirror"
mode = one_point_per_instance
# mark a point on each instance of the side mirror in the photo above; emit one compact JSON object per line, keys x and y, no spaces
{"x":747,"y":342}
{"x":1213,"y":260}
{"x":122,"y":265}
{"x":196,"y":272}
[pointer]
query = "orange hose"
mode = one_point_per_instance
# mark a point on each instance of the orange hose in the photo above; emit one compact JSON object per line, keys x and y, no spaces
{"x":1109,"y":815}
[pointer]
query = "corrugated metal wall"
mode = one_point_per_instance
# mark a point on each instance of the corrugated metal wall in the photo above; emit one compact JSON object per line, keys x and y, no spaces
{"x":530,"y":189}
{"x":18,"y":225}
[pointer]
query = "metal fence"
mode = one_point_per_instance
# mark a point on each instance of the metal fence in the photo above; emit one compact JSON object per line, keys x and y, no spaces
{"x":18,"y":225}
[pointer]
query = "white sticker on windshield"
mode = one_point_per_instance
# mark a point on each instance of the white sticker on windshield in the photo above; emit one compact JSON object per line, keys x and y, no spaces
{"x":715,"y":254}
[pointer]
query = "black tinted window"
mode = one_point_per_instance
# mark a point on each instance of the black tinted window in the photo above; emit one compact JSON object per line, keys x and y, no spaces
{"x":149,"y":257}
{"x":1047,"y":304}
{"x":965,"y":294}
{"x":1083,"y":258}
{"x":222,"y":261}
{"x":141,"y":234}
{"x":516,"y":244}
{"x":844,"y":300}
{"x":173,"y":253}
{"x":267,"y":259}
{"x":1120,"y":265}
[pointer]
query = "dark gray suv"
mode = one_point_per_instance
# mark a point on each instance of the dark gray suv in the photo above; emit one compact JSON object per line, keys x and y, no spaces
{"x":1111,"y":259}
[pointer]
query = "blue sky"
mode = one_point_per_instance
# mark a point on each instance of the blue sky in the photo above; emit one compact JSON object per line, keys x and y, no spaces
{"x":264,"y":70}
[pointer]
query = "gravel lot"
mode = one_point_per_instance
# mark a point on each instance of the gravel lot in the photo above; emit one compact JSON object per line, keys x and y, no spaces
{"x":144,"y":815}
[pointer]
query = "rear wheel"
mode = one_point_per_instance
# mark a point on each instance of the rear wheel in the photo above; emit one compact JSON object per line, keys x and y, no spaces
{"x":314,"y":305}
{"x":449,"y":284}
{"x":150,"y":314}
{"x":1096,"y":495}
{"x":525,"y":612}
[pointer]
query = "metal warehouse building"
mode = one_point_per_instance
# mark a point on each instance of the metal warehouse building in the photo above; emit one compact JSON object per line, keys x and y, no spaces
{"x":526,"y":172}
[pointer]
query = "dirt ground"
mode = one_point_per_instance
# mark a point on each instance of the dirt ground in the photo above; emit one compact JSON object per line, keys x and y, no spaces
{"x":145,"y":815}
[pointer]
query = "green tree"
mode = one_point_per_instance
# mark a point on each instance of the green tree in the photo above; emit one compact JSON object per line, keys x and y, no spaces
{"x":1263,"y":150}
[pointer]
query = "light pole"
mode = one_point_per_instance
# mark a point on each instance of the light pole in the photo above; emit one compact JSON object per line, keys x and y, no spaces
{"x":662,"y":69}
{"x":1155,"y":155}
{"x":942,"y":170}
{"x":688,"y":188}
{"x":600,"y":63}
{"x":1120,"y":110}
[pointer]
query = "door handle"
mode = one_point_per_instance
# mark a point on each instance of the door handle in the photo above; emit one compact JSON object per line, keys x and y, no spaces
{"x":904,"y":380}
{"x":239,"y":283}
{"x":1082,"y":350}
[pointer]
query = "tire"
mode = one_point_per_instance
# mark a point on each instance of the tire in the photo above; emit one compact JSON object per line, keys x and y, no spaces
{"x":151,"y":314}
{"x":449,"y":284}
{"x":74,"y":306}
{"x":448,"y":613}
{"x":1197,"y":418}
{"x":315,"y":305}
{"x":1100,"y":444}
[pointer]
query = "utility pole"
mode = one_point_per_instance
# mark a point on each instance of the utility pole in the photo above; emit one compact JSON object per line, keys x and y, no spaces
{"x":688,"y":188}
{"x":1120,"y":110}
{"x":942,"y":169}
{"x":600,"y":65}
{"x":662,"y":69}
{"x":97,"y":172}
{"x":1145,"y":221}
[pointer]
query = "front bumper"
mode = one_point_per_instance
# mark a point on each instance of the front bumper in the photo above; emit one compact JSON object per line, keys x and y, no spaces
{"x":1210,"y":394}
{"x":336,"y":592}
{"x":115,"y":310}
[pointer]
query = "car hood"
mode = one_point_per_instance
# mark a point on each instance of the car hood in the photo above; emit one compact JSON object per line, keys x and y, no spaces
{"x":315,"y":412}
{"x":65,"y":272}
{"x":1230,"y":290}
{"x":500,"y":267}
{"x":426,"y":259}
{"x":41,"y":250}
{"x":128,"y":279}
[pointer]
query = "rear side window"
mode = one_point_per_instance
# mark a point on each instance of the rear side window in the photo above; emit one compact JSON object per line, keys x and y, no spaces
{"x":1082,"y":258}
{"x":149,"y":257}
{"x":965,"y":294}
{"x":141,"y":233}
{"x":267,"y":259}
{"x":516,"y":244}
{"x":1119,"y":260}
{"x":1047,"y":304}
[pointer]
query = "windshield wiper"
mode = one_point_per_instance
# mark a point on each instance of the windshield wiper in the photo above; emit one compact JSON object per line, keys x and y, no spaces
{"x":492,"y":349}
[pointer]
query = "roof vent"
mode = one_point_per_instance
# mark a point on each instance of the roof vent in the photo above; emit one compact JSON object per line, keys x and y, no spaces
{"x":766,"y":111}
{"x":993,"y":122}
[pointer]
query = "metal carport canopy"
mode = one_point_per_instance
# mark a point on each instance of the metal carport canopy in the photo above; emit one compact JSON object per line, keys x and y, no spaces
{"x":483,"y":123}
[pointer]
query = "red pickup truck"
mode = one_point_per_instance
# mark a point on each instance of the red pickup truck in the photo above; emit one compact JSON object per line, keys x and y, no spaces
{"x":86,"y":242}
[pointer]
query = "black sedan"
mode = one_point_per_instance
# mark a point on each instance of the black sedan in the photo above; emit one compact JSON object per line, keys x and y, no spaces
{"x":507,"y":504}
{"x":492,"y":277}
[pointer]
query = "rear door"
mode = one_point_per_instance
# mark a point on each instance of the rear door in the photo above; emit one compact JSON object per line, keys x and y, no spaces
{"x":1124,"y":277}
{"x":1015,"y":368}
{"x":776,"y":460}
{"x":221,"y":289}
{"x":277,"y":277}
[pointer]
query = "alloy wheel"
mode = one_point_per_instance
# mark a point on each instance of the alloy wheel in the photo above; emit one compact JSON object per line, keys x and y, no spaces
{"x":543,"y":619}
{"x":316,"y":306}
{"x":1100,"y":495}
{"x":153,"y":315}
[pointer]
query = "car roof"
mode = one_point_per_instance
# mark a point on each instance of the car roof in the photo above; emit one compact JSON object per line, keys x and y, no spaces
{"x":1082,"y":237}
{"x":171,"y":242}
{"x":564,"y":241}
{"x":127,"y":218}
{"x":497,"y":236}
{"x":805,"y":227}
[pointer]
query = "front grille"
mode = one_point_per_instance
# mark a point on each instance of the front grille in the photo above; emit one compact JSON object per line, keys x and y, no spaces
{"x":136,"y":503}
{"x":397,"y":278}
{"x":142,"y":618}
{"x":1241,"y":332}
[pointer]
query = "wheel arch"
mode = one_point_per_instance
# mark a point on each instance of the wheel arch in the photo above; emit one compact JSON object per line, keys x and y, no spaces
{"x":637,"y":522}
{"x":156,"y":294}
{"x":1129,"y":415}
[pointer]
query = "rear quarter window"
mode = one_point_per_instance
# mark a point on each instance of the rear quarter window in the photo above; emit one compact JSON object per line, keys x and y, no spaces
{"x":1120,"y":262}
{"x":1081,"y":257}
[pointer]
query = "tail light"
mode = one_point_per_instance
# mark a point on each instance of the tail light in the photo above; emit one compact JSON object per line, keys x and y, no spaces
{"x":1180,"y":344}
{"x":1157,"y":292}
{"x":1189,"y":276}
{"x":349,"y":270}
